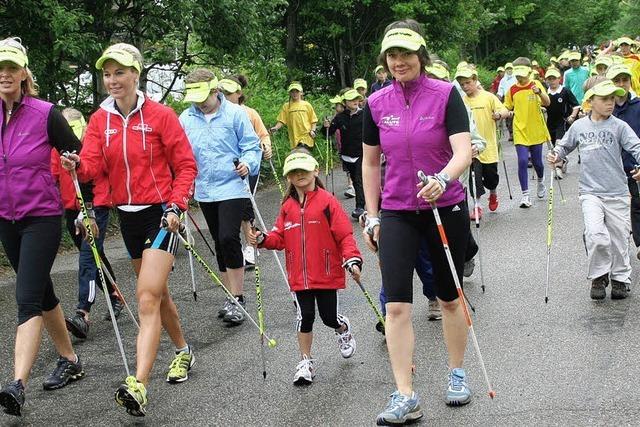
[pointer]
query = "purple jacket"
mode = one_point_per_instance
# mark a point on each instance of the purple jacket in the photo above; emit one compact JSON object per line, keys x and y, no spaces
{"x":26,"y":183}
{"x":413,"y":137}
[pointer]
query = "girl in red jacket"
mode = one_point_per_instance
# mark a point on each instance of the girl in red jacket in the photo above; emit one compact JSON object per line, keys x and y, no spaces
{"x":318,"y":241}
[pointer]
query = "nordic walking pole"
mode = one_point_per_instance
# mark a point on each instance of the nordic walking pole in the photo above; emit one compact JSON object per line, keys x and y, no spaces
{"x":119,"y":293}
{"x":271,"y":342}
{"x":476,"y":210}
{"x":193,"y":276}
{"x":447,"y":251}
{"x":193,"y":221}
{"x":260,"y":312}
{"x":254,"y":205}
{"x":371,"y":303}
{"x":549,"y":235}
{"x":98,"y":261}
{"x":277,"y":178}
{"x":553,"y":172}
{"x":506,"y":174}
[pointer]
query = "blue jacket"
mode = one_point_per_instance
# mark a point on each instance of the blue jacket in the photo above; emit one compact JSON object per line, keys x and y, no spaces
{"x":630,"y":113}
{"x":227,"y":136}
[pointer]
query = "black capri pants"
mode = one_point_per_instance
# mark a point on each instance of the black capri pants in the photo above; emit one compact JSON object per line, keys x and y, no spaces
{"x":327,"y":300}
{"x":400,"y":236}
{"x":486,"y":177}
{"x":224,"y":219}
{"x":31,"y":245}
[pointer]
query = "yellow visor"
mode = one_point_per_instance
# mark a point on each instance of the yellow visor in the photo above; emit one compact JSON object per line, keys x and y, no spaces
{"x":603,"y":60}
{"x":465,"y":72}
{"x":616,"y":69}
{"x":403,"y":38}
{"x":351,"y":95}
{"x":122,"y":57}
{"x":625,"y":40}
{"x":295,"y":86}
{"x":13,"y":54}
{"x":552,"y":72}
{"x":604,"y":88}
{"x":199,"y":92}
{"x":438,"y":71}
{"x":521,"y":71}
{"x":360,"y":83}
{"x":378,"y":68}
{"x":78,"y":126}
{"x":299,"y":161}
{"x":229,"y":86}
{"x":336,"y":100}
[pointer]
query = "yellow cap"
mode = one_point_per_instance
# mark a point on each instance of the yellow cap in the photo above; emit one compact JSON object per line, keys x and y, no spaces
{"x":465,"y":72}
{"x":13,"y":54}
{"x":521,"y":71}
{"x":229,"y":86}
{"x":199,"y":92}
{"x":534,"y":63}
{"x":78,"y":126}
{"x":336,"y":100}
{"x":302,"y":161}
{"x":574,"y":56}
{"x":438,"y":71}
{"x":552,"y":72}
{"x":378,"y":68}
{"x":508,"y":65}
{"x":603,"y":60}
{"x":121,"y":56}
{"x":403,"y":38}
{"x":295,"y":86}
{"x":604,"y":88}
{"x":351,"y":95}
{"x":615,"y":59}
{"x":564,"y":55}
{"x":553,"y":59}
{"x":616,"y":69}
{"x":359,"y":83}
{"x":500,"y":69}
{"x":625,"y":40}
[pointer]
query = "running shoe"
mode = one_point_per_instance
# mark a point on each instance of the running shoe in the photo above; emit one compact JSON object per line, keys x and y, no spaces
{"x":225,"y":308}
{"x":472,"y":214}
{"x":235,"y":316}
{"x":525,"y":202}
{"x":305,"y":372}
{"x":458,"y":392}
{"x":249,"y":257}
{"x":78,"y":325}
{"x":618,"y":289}
{"x":132,"y":395}
{"x":401,"y":409}
{"x":117,"y":305}
{"x":541,"y":190}
{"x":434,"y":312}
{"x":350,"y":192}
{"x":469,"y":266}
{"x":346,"y":342}
{"x":12,"y":398}
{"x":180,"y":367}
{"x":598,"y":286}
{"x":64,"y":372}
{"x":493,"y":202}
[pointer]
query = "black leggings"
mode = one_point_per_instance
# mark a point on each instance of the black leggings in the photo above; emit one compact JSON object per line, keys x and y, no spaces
{"x":327,"y":300}
{"x":486,"y":177}
{"x":224,"y":219}
{"x":31,"y":245}
{"x":400,"y":236}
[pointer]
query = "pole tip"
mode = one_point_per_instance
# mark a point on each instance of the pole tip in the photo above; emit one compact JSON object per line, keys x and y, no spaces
{"x":482,"y":289}
{"x":195,"y":296}
{"x":546,"y":300}
{"x":492,"y":394}
{"x":272,"y":343}
{"x":264,"y":375}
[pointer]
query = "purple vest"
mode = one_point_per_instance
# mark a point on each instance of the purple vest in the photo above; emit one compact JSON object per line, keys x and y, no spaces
{"x":413,"y":137}
{"x":26,"y":183}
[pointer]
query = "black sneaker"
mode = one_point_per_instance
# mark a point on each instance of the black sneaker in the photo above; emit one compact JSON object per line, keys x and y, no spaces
{"x":78,"y":325}
{"x":12,"y":398}
{"x":357,"y":213}
{"x":618,"y":290}
{"x":65,"y":372}
{"x":117,"y":305}
{"x":598,"y":286}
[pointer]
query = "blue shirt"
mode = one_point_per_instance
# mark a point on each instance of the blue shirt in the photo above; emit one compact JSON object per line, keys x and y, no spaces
{"x":573,"y":80}
{"x":377,"y":86}
{"x":216,"y":142}
{"x":630,"y":113}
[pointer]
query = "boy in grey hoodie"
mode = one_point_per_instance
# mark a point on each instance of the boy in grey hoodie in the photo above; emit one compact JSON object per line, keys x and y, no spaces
{"x":604,"y":195}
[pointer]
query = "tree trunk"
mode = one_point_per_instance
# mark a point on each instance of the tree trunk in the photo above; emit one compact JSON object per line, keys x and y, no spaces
{"x":341,"y":64}
{"x":291,"y":17}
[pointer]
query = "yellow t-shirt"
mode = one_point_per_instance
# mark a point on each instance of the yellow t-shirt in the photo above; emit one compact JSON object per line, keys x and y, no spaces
{"x":483,"y":105}
{"x":298,"y":116}
{"x":529,"y":126}
{"x":633,"y":63}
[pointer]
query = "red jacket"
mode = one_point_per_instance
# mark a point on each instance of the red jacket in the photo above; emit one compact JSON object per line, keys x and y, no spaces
{"x":101,"y":194}
{"x":317,"y":238}
{"x":146,"y":156}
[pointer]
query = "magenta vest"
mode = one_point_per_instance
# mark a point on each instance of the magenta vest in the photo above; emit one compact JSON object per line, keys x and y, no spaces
{"x":26,"y":183}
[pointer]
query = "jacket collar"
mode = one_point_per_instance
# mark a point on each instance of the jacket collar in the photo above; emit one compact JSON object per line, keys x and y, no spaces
{"x":195,"y":111}
{"x":109,"y":105}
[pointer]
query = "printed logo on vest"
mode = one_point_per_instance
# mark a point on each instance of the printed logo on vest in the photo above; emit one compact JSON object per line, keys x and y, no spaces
{"x":390,"y":121}
{"x":423,"y":118}
{"x":110,"y":132}
{"x":143,"y":128}
{"x":290,"y":225}
{"x":559,"y":99}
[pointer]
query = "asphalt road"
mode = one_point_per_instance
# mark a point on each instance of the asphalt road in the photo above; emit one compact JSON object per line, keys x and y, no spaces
{"x":572,"y":361}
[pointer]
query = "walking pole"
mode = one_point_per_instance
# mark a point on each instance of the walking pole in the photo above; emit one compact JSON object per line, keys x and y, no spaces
{"x":277,"y":178}
{"x":476,"y":210}
{"x":98,"y":261}
{"x":452,"y":267}
{"x":553,"y":172}
{"x":260,"y":312}
{"x":371,"y":303}
{"x":119,"y":294}
{"x":201,"y":233}
{"x":549,"y":235}
{"x":506,"y":174}
{"x":193,"y":276}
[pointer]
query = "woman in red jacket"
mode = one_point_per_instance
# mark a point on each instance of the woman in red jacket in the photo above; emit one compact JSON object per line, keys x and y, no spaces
{"x":312,"y":226}
{"x":141,"y":146}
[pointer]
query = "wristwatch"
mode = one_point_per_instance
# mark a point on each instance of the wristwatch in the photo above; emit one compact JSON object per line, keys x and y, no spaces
{"x":444,"y":179}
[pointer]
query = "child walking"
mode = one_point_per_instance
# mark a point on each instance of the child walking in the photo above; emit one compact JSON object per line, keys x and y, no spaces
{"x":318,"y":241}
{"x":299,"y":117}
{"x":604,"y":195}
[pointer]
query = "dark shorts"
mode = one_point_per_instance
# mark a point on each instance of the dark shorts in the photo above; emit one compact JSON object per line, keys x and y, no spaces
{"x":141,"y":230}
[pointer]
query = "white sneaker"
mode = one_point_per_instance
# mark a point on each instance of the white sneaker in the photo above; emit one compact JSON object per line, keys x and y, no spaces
{"x":542,"y":191}
{"x":346,"y":342}
{"x":249,"y":257}
{"x":525,"y":202}
{"x":559,"y":173}
{"x":350,"y":192}
{"x":434,"y":312}
{"x":305,"y":372}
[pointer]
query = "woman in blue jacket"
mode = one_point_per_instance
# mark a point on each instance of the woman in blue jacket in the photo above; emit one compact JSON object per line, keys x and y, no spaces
{"x":220,"y":132}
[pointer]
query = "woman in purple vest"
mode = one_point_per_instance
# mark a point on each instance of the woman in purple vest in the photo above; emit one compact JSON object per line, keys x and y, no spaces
{"x":419,"y":124}
{"x":30,"y":220}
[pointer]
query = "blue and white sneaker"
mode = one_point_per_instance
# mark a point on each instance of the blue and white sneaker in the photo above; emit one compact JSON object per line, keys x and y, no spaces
{"x":400,"y":409}
{"x":458,"y":392}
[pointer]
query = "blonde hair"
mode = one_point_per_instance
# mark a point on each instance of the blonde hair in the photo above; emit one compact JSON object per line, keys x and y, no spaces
{"x":200,"y":75}
{"x":134,"y":51}
{"x":29,"y":86}
{"x":72,"y":114}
